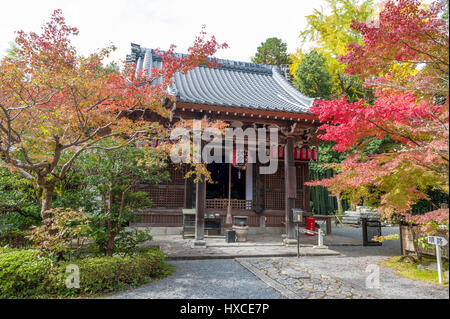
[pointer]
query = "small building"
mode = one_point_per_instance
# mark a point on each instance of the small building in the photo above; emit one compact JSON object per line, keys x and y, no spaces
{"x":244,"y":95}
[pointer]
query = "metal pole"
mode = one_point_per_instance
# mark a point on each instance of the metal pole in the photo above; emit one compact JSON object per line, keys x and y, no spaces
{"x":439,"y":264}
{"x":298,"y":240}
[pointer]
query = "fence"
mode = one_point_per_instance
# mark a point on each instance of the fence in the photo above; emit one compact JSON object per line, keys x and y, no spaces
{"x":410,"y":233}
{"x":234,"y":203}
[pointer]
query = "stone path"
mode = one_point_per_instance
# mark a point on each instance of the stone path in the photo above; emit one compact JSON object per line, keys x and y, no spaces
{"x":339,"y":277}
{"x":295,"y":281}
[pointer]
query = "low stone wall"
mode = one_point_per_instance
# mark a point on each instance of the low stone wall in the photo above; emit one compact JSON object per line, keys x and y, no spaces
{"x":409,"y":233}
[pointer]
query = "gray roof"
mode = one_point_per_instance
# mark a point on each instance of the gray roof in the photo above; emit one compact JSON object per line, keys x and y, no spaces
{"x":232,"y":83}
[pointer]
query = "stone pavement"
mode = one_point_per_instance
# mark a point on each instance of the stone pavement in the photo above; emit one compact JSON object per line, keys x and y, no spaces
{"x":339,"y":277}
{"x":258,"y":245}
{"x":295,"y":281}
{"x":177,"y":248}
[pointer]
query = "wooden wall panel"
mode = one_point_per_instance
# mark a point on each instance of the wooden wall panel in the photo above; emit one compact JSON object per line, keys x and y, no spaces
{"x":274,"y":188}
{"x":171,"y":193}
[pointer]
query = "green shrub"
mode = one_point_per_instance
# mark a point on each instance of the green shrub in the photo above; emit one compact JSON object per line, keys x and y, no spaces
{"x":22,"y":272}
{"x":14,"y":238}
{"x":58,"y":230}
{"x":107,"y":274}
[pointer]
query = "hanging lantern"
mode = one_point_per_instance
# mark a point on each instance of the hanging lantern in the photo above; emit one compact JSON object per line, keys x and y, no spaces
{"x":240,"y":159}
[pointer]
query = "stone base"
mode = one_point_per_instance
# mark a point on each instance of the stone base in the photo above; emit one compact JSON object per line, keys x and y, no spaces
{"x":198,"y":243}
{"x":290,"y":242}
{"x":320,"y":247}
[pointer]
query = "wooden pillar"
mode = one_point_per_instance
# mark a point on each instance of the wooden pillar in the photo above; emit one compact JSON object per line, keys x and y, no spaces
{"x":188,"y":192}
{"x":200,"y":208}
{"x":258,"y":190}
{"x":200,"y":204}
{"x":307,"y":194}
{"x":290,"y":182}
{"x":308,"y":190}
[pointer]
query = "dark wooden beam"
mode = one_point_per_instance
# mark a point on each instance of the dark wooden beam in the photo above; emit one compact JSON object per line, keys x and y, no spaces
{"x":200,"y":210}
{"x":188,"y":193}
{"x":247,"y":111}
{"x":290,"y":181}
{"x":307,"y":194}
{"x":258,"y":190}
{"x":200,"y":205}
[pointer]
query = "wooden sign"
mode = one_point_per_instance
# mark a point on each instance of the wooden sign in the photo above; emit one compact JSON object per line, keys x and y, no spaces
{"x":240,"y":158}
{"x":436,"y":240}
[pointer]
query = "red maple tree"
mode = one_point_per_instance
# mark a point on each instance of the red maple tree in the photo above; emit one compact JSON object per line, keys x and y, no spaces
{"x":56,"y":104}
{"x":405,"y":56}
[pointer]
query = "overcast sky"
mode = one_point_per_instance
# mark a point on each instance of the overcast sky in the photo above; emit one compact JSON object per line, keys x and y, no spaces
{"x":243,"y":24}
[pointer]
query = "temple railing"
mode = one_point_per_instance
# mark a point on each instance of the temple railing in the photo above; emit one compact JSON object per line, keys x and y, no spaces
{"x":223,"y":204}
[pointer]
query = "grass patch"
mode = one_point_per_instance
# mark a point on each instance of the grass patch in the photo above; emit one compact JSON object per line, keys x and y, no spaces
{"x":407,"y":269}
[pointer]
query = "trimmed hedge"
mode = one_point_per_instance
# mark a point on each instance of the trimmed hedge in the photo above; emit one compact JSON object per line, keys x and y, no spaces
{"x":23,"y":273}
{"x":107,"y":274}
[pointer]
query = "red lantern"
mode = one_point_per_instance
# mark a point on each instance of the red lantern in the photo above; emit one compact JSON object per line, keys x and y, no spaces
{"x":310,"y":225}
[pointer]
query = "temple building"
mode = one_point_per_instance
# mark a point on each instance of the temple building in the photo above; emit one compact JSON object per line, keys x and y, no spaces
{"x":244,"y":95}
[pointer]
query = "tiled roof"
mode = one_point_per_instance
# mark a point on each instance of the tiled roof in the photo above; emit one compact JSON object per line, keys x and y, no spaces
{"x":235,"y":84}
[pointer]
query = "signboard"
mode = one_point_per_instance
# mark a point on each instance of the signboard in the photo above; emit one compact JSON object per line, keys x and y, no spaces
{"x":240,"y":158}
{"x":436,"y":240}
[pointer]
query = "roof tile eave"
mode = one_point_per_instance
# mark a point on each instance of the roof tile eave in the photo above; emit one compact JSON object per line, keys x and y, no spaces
{"x":270,"y":109}
{"x":235,"y":84}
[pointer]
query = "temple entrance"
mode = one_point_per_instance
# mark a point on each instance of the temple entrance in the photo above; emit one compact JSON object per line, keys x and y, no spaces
{"x":220,"y":176}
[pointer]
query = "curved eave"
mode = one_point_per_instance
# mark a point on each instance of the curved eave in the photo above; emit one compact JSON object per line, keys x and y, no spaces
{"x":250,"y":113}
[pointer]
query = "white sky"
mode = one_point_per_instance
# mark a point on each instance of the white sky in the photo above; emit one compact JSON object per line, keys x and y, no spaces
{"x":243,"y":24}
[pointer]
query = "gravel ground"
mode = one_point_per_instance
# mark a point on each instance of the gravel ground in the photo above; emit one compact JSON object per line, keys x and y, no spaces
{"x":210,"y":278}
{"x":225,"y":278}
{"x":388,"y":248}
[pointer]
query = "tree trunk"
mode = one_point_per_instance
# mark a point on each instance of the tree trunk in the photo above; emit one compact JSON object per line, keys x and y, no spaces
{"x":339,"y":203}
{"x":110,"y":245}
{"x":47,"y":198}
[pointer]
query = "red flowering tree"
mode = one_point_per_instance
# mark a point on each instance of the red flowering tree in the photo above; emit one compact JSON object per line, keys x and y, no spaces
{"x":56,"y":104}
{"x":405,"y":56}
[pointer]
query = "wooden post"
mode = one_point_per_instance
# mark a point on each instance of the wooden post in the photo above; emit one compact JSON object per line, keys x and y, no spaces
{"x":290,"y":189}
{"x":258,"y":190}
{"x":402,"y":251}
{"x":188,"y":192}
{"x":307,"y":189}
{"x":229,"y":218}
{"x":200,"y":208}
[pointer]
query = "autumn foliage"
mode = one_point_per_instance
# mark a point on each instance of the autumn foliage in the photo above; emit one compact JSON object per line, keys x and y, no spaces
{"x":404,"y":55}
{"x":56,"y":104}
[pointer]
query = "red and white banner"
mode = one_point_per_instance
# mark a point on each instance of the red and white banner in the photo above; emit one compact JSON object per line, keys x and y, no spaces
{"x":304,"y":153}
